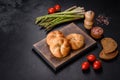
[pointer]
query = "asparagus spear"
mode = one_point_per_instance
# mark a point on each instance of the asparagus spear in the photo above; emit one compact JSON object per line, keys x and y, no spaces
{"x":51,"y":20}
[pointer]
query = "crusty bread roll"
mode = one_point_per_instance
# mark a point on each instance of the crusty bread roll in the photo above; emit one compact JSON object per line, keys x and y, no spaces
{"x":76,"y":40}
{"x":60,"y":48}
{"x":60,"y":45}
{"x":50,"y":37}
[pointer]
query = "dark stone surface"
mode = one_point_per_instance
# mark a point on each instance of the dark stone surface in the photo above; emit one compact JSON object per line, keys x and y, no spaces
{"x":18,"y":33}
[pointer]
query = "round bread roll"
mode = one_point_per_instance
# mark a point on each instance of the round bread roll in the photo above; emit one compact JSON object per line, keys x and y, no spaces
{"x":52,"y":35}
{"x":76,"y":40}
{"x":60,"y":48}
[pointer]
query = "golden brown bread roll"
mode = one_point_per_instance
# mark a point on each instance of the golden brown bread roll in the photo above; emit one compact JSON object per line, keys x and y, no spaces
{"x":53,"y":35}
{"x":60,"y":48}
{"x":76,"y":40}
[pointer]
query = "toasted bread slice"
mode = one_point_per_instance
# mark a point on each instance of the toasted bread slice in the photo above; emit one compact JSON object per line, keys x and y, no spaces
{"x":109,"y":45}
{"x":109,"y":56}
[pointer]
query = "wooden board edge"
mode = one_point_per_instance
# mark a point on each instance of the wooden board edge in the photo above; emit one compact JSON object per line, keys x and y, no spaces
{"x":45,"y":59}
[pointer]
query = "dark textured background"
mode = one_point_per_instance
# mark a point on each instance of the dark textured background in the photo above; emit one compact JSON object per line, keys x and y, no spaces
{"x":18,"y":33}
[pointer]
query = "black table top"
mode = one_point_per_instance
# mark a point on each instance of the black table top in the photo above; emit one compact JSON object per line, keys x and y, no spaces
{"x":18,"y":33}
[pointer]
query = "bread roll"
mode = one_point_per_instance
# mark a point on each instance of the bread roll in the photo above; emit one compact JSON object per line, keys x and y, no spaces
{"x":76,"y":40}
{"x":50,"y":37}
{"x":60,"y":48}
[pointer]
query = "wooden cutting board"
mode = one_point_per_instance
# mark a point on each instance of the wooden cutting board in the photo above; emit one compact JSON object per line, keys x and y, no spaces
{"x":43,"y":49}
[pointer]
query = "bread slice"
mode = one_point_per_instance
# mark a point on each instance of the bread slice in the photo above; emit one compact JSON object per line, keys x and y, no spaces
{"x":109,"y":45}
{"x":109,"y":56}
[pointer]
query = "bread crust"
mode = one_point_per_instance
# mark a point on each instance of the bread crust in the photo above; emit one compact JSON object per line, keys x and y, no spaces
{"x":109,"y":56}
{"x":109,"y":45}
{"x":109,"y":50}
{"x":60,"y":48}
{"x":50,"y":37}
{"x":76,"y":41}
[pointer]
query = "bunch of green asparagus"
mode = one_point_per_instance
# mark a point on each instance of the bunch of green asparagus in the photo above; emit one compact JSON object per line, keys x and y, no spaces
{"x":49,"y":21}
